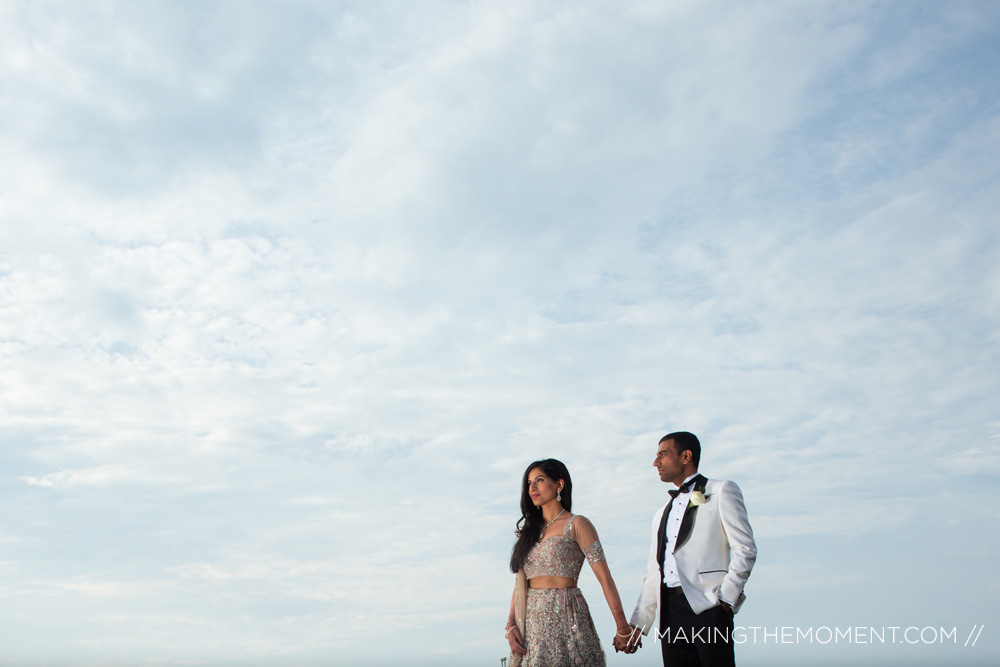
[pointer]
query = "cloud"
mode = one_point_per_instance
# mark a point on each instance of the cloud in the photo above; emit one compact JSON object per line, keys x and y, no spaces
{"x":289,"y":299}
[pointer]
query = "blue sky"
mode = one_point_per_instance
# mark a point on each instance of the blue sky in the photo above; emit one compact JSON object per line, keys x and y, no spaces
{"x":291,"y":293}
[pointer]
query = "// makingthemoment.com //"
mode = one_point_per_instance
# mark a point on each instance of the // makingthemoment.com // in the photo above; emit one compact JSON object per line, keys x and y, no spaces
{"x":890,"y":634}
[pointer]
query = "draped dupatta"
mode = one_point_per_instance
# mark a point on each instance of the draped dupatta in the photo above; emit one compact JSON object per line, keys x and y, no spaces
{"x":520,"y":611}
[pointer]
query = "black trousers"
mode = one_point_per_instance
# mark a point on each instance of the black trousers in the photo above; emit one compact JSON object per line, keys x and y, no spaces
{"x":688,"y":639}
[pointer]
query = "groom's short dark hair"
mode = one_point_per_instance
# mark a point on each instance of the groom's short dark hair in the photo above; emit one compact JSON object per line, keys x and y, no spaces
{"x":684,"y":441}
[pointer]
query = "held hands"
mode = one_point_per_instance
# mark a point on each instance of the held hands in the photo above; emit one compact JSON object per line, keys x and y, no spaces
{"x":515,"y":640}
{"x":628,"y":640}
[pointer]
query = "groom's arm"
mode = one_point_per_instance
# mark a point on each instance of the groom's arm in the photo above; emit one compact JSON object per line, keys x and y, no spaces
{"x":742,"y":548}
{"x":644,"y":615}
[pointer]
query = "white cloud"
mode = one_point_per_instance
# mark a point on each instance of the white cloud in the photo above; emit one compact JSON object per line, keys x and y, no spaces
{"x":288,"y":301}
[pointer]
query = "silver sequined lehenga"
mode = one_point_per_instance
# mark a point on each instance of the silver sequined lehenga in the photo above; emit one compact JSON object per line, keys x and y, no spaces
{"x":558,"y":629}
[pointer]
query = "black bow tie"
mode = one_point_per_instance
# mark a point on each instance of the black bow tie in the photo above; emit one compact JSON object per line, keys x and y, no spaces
{"x":684,"y":488}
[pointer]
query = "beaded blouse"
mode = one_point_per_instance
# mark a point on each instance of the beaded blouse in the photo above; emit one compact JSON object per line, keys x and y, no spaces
{"x":562,"y":555}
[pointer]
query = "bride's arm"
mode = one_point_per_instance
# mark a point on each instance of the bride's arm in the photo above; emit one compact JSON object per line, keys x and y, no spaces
{"x":603,"y":574}
{"x":586,"y":537}
{"x":511,"y":632}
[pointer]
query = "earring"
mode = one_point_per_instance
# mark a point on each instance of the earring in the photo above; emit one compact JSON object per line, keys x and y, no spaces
{"x":559,"y":496}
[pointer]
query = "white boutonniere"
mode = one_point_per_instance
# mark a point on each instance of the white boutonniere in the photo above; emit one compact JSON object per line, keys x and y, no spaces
{"x":697,"y":498}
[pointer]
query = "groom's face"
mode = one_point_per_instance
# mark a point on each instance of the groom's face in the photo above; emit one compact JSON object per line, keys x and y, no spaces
{"x":669,"y":463}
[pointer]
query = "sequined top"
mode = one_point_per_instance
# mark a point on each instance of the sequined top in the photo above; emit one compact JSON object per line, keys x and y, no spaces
{"x":562,"y":555}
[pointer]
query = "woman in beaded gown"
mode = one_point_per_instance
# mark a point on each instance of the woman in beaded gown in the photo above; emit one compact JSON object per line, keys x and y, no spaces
{"x":552,"y":544}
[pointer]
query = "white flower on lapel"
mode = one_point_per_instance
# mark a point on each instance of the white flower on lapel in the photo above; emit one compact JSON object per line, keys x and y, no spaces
{"x":698,"y":498}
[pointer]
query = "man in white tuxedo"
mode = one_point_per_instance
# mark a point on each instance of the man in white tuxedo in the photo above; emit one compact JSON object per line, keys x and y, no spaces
{"x":701,"y":555}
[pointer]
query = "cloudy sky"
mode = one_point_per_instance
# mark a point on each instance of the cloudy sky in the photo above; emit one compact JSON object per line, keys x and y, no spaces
{"x":290,"y":294}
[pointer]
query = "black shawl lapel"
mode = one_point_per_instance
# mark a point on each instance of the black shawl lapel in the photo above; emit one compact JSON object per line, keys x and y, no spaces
{"x":661,"y":537}
{"x":688,"y":520}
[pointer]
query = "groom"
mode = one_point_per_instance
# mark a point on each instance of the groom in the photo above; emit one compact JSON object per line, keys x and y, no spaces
{"x":699,"y":560}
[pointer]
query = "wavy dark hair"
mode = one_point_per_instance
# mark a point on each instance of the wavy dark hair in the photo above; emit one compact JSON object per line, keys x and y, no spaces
{"x":529,"y":526}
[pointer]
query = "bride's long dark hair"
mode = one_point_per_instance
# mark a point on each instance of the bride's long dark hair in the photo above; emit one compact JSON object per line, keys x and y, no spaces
{"x":529,"y":526}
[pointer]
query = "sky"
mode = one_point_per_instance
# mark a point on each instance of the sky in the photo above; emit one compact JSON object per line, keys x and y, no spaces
{"x":292,"y":293}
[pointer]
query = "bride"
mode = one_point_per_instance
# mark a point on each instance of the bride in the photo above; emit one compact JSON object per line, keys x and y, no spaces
{"x":549,"y":623}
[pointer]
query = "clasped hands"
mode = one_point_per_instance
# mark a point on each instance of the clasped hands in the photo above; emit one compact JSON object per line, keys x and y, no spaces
{"x":629,"y":642}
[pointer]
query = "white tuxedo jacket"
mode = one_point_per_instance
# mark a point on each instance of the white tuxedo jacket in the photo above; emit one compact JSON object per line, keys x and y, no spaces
{"x":713,"y":560}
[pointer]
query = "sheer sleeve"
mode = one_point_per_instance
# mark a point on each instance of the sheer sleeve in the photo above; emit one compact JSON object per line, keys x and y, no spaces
{"x":586,"y":536}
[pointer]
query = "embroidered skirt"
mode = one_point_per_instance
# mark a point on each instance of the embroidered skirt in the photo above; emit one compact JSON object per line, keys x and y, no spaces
{"x":559,"y":631}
